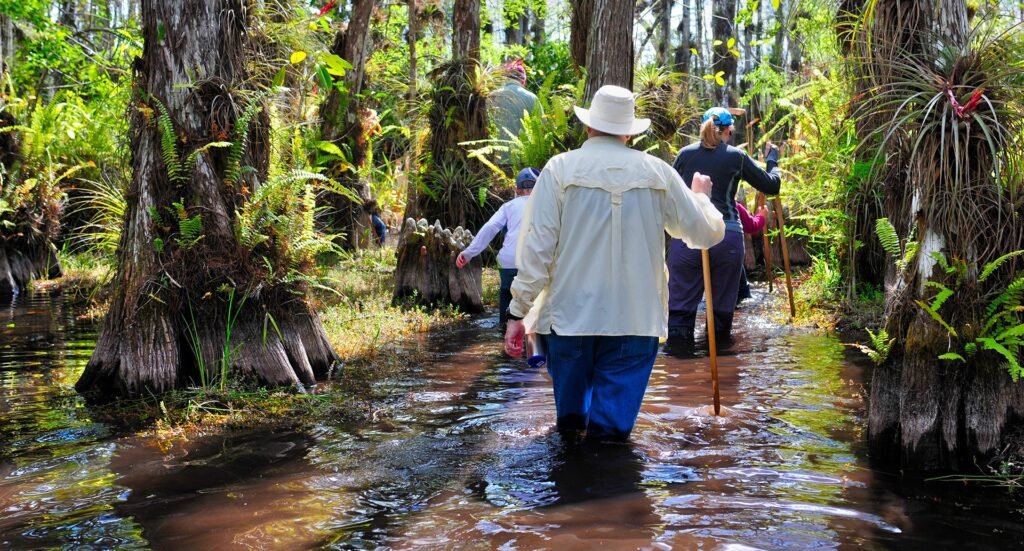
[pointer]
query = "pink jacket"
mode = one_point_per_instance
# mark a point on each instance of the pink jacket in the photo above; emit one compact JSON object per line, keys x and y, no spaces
{"x":751,"y":224}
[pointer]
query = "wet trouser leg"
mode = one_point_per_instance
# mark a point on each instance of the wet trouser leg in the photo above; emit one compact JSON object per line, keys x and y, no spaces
{"x":686,"y":282}
{"x":505,"y":295}
{"x":599,"y":382}
{"x":744,"y":289}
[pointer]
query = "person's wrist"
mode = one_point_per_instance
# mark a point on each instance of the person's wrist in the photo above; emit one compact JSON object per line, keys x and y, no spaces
{"x":511,"y":316}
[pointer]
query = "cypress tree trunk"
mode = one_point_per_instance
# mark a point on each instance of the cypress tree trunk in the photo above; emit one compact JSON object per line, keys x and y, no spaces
{"x":610,"y":45}
{"x":926,"y":413}
{"x":682,"y":55}
{"x":343,"y":123}
{"x":665,"y":32}
{"x":723,"y":23}
{"x":171,"y":313}
{"x":466,"y":30}
{"x":582,"y":12}
{"x":457,"y":114}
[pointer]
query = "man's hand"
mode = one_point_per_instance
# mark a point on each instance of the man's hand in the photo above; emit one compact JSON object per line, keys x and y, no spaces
{"x":701,"y":184}
{"x":461,"y":261}
{"x":515,"y":338}
{"x":771,"y":152}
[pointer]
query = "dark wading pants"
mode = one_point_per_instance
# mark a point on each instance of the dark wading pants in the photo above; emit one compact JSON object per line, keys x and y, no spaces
{"x":686,"y":284}
{"x":599,"y":382}
{"x":505,"y":295}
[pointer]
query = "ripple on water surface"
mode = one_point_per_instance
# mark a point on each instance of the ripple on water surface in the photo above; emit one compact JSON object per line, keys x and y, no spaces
{"x":461,"y":455}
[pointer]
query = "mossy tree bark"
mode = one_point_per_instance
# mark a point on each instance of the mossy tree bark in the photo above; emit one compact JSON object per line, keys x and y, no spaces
{"x":171,"y":314}
{"x":343,"y":124}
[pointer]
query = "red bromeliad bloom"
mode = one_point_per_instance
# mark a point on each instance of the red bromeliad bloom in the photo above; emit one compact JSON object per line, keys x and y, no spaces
{"x":327,"y":8}
{"x":966,"y":109}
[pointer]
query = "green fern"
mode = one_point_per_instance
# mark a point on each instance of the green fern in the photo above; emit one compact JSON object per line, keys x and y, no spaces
{"x":241,"y":142}
{"x":1012,"y":363}
{"x":991,"y":267}
{"x":169,"y":144}
{"x":880,"y":347}
{"x":944,"y":294}
{"x":888,"y":237}
{"x":191,"y":231}
{"x":937,"y":317}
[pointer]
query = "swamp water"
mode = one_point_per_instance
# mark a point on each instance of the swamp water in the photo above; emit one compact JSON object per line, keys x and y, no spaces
{"x":460,"y":456}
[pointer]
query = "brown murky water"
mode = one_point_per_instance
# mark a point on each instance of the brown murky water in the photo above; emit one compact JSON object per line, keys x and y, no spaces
{"x":461,"y":456}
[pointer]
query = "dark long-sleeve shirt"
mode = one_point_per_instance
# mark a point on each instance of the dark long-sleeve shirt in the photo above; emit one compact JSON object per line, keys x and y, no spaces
{"x":727,"y":165}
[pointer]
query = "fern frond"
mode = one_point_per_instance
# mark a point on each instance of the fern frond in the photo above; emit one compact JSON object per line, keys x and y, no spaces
{"x":241,"y":142}
{"x":991,"y":267}
{"x":169,"y":144}
{"x":888,"y":237}
{"x":937,"y":317}
{"x":1013,"y":363}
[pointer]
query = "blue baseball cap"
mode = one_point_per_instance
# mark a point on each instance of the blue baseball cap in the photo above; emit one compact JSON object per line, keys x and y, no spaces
{"x":720,"y":115}
{"x":527,"y":177}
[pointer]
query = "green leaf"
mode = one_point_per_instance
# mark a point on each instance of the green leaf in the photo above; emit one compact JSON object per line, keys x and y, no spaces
{"x":717,"y":43}
{"x":336,"y":65}
{"x":694,"y":51}
{"x":952,"y":356}
{"x":935,"y":316}
{"x":776,"y":4}
{"x":297,"y":57}
{"x":325,"y":78}
{"x":279,"y":78}
{"x":331,"y":148}
{"x":718,"y":78}
{"x":731,"y":43}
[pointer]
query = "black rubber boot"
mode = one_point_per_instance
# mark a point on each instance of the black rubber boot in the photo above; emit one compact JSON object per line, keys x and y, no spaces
{"x":680,"y":333}
{"x":723,"y":329}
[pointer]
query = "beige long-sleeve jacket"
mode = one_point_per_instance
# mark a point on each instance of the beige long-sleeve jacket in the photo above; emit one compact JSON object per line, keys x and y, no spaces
{"x":591,"y":251}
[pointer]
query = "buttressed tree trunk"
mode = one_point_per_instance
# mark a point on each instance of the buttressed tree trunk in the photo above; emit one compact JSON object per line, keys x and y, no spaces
{"x":926,"y":413}
{"x":457,"y":114}
{"x":343,"y":123}
{"x":426,"y":271}
{"x":171,"y":314}
{"x":610,"y":45}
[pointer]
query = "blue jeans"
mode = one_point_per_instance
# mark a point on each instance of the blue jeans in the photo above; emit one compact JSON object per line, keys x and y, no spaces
{"x":599,"y":382}
{"x":505,"y":295}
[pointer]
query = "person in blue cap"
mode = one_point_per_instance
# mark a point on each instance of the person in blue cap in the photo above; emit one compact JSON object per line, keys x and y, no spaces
{"x":726,"y":165}
{"x":508,"y":218}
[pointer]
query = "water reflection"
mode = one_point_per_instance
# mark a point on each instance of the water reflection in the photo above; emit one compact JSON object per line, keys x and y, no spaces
{"x":461,"y":454}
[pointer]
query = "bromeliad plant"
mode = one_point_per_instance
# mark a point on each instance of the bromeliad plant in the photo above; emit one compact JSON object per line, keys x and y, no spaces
{"x":949,"y":121}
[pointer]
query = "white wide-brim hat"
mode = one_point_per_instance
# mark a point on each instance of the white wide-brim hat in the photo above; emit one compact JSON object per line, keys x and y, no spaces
{"x":613,"y":112}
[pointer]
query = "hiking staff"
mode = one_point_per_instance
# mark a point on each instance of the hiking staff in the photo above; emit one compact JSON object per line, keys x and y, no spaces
{"x":705,"y":259}
{"x":767,"y":246}
{"x":761,"y":203}
{"x":785,"y":255}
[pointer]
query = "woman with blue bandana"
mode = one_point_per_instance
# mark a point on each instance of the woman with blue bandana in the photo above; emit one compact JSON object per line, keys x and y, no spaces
{"x":726,"y":165}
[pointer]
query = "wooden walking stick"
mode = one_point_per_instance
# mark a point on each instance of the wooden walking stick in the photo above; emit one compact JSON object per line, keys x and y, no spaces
{"x":705,"y":259}
{"x":785,"y":255}
{"x":768,"y":271}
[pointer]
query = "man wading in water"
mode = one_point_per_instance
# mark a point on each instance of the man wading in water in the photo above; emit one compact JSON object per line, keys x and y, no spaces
{"x":591,"y":261}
